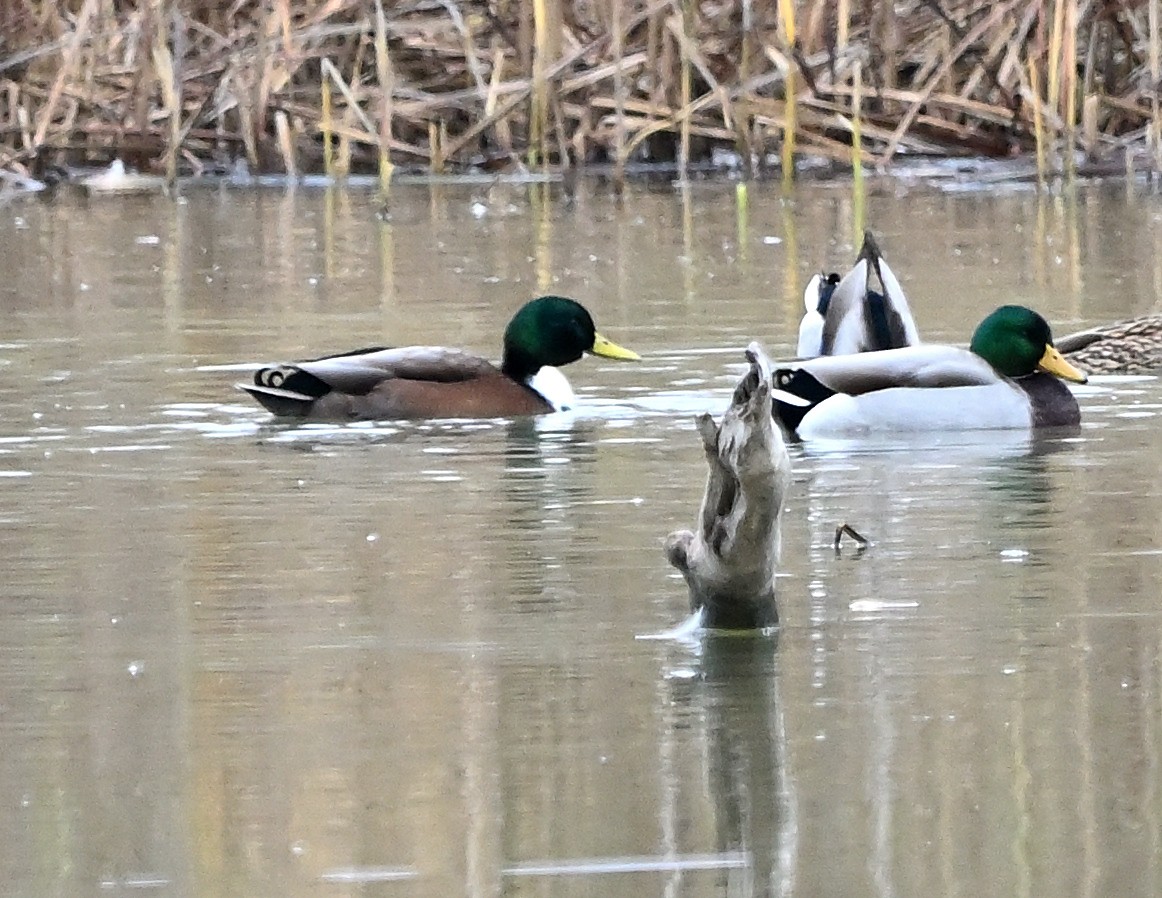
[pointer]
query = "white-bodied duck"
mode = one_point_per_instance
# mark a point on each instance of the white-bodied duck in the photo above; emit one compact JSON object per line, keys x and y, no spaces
{"x":1006,"y":379}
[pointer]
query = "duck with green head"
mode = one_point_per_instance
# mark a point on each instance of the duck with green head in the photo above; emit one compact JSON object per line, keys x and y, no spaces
{"x":1008,"y":378}
{"x":437,"y":382}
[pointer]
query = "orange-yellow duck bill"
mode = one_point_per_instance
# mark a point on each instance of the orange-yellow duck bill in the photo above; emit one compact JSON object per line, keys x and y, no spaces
{"x":1053,"y":362}
{"x":607,"y":349}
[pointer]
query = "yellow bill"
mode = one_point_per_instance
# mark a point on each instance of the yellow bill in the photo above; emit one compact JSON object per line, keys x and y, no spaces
{"x":609,"y":350}
{"x":1053,"y":362}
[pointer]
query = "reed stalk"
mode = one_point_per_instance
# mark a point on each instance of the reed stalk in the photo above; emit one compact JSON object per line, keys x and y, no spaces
{"x":790,"y":92}
{"x":538,"y":140}
{"x":165,"y":68}
{"x":687,"y":13}
{"x":386,"y":93}
{"x":742,"y":122}
{"x":618,"y":99}
{"x":325,"y":126}
{"x":506,"y":79}
{"x":70,"y":58}
{"x":1154,"y":19}
{"x":285,"y":145}
{"x":857,"y":185}
{"x":1054,"y":64}
{"x":1038,"y":119}
{"x":1069,"y":84}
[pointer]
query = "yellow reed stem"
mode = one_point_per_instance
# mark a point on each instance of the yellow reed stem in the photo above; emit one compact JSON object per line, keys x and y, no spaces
{"x":1038,"y":120}
{"x":1054,"y":61}
{"x":538,"y":127}
{"x":686,"y":88}
{"x":436,"y":148}
{"x":1069,"y":82}
{"x":285,"y":144}
{"x":618,"y":102}
{"x":790,"y":89}
{"x":858,"y":191}
{"x":325,"y":127}
{"x":163,"y":65}
{"x":1154,"y":19}
{"x":386,"y":93}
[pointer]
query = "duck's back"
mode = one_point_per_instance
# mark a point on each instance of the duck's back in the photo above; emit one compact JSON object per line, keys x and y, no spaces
{"x":1125,"y":347}
{"x":410,"y":382}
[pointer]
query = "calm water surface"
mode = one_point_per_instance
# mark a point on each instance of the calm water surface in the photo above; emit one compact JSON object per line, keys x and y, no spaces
{"x":238,"y":658}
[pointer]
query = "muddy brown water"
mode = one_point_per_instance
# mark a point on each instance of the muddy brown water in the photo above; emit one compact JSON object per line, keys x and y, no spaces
{"x":406,"y":659}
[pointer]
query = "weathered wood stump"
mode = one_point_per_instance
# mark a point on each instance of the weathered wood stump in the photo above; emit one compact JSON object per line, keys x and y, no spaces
{"x":729,"y":562}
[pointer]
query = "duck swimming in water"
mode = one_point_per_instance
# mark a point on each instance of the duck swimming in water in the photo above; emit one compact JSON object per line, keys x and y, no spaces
{"x":1133,"y":346}
{"x":437,"y":382}
{"x":1006,"y":379}
{"x":848,"y":315}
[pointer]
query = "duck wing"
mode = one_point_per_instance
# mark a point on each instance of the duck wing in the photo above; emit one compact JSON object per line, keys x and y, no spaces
{"x":292,"y":389}
{"x":360,"y":372}
{"x":927,"y":365}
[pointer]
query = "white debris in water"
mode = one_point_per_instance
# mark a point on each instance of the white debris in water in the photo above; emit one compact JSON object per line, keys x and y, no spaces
{"x":372,"y":537}
{"x":874,"y":605}
{"x":1014,"y":555}
{"x":148,"y":240}
{"x":136,"y":668}
{"x":771,"y":240}
{"x":479,"y":210}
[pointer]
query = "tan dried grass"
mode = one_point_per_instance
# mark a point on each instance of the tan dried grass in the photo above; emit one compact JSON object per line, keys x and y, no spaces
{"x":456,"y":83}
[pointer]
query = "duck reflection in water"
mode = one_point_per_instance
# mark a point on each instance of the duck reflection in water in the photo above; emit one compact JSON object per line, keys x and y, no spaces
{"x":736,"y":698}
{"x":550,"y":472}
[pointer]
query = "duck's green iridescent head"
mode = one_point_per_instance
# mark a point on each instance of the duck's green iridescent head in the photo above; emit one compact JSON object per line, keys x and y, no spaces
{"x":1017,"y":341}
{"x":553,"y":330}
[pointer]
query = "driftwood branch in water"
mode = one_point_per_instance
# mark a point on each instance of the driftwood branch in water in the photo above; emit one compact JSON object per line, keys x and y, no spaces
{"x":729,"y":562}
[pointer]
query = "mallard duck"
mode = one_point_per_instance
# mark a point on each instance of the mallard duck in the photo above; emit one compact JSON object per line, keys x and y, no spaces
{"x":848,"y":315}
{"x":435,"y":382}
{"x":1133,"y":346}
{"x":1007,"y":378}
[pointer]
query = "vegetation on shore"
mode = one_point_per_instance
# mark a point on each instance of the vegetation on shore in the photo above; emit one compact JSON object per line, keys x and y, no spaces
{"x":365,"y":85}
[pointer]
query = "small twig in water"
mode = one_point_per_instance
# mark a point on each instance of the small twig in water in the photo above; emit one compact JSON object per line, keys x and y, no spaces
{"x":861,"y":541}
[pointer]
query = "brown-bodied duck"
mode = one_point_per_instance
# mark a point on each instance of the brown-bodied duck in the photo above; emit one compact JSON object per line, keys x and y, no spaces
{"x":437,"y":382}
{"x":1133,"y":346}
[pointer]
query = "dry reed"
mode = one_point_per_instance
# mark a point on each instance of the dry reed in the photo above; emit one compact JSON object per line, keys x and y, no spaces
{"x":429,"y":84}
